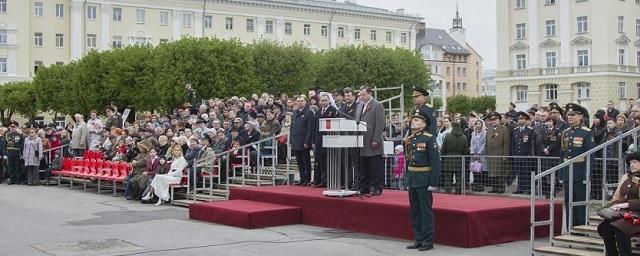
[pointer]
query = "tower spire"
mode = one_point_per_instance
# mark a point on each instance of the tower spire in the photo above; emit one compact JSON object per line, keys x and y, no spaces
{"x":457,"y":21}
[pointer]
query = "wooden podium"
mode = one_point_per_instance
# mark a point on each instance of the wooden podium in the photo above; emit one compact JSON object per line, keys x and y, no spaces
{"x":338,"y":136}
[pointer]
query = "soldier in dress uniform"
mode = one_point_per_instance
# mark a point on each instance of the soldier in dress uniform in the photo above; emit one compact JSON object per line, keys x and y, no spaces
{"x":556,"y":113}
{"x":419,"y":100}
{"x":576,"y":140}
{"x":423,"y":174}
{"x":522,"y":147}
{"x":15,"y":142}
{"x":550,"y":147}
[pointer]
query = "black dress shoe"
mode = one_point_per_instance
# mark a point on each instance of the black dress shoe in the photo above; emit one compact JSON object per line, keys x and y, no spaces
{"x":365,"y":193}
{"x":425,"y":247}
{"x":376,"y":193}
{"x":413,"y":246}
{"x":494,"y":191}
{"x":517,"y":192}
{"x":298,"y":183}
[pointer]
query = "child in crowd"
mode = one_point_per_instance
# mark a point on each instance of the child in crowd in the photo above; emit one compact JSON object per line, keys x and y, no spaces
{"x":398,"y":169}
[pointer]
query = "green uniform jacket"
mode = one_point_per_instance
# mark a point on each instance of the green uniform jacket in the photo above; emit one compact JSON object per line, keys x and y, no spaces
{"x":421,"y":152}
{"x":575,"y":141}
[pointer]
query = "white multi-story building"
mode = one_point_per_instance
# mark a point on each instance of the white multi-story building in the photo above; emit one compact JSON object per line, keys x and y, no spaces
{"x":583,"y":51}
{"x":37,"y":33}
{"x":488,"y":82}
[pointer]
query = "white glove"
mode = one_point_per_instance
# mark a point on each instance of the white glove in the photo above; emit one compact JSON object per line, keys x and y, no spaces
{"x":430,"y":188}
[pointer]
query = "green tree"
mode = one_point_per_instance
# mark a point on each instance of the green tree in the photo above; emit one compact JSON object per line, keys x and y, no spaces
{"x":480,"y":104}
{"x":459,"y":104}
{"x":282,"y":69}
{"x":18,"y":97}
{"x":214,"y":67}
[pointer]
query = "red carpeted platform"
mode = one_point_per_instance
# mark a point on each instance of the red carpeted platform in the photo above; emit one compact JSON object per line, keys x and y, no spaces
{"x":246,"y":214}
{"x":463,"y":221}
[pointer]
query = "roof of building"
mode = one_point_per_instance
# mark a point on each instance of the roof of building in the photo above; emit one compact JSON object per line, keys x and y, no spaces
{"x":442,"y":39}
{"x":347,"y":6}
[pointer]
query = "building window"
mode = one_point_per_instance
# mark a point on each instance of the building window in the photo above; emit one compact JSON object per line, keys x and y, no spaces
{"x":3,"y":65}
{"x":388,"y":37}
{"x":521,"y":93}
{"x":458,"y":86}
{"x":583,"y":24}
{"x":164,"y":18}
{"x":403,"y":38}
{"x":186,"y":20}
{"x":448,"y":85}
{"x":36,"y":66}
{"x":288,"y":28}
{"x":620,"y":24}
{"x":3,"y":9}
{"x":521,"y":61}
{"x":621,"y":57}
{"x":549,"y":2}
{"x":91,"y":40}
{"x":208,"y":21}
{"x":60,"y":10}
{"x":92,"y":12}
{"x":59,"y":40}
{"x":520,"y":4}
{"x":637,"y":27}
{"x":250,"y":25}
{"x":116,"y":14}
{"x":521,"y":31}
{"x":551,"y":92}
{"x":268,"y":28}
{"x":38,"y":9}
{"x":37,"y":39}
{"x":448,"y":71}
{"x":4,"y":37}
{"x":59,"y":63}
{"x":459,"y":71}
{"x":324,"y":32}
{"x":307,"y":29}
{"x":356,"y":34}
{"x":464,"y":86}
{"x":550,"y":27}
{"x":638,"y":58}
{"x":622,"y":90}
{"x":341,"y":32}
{"x":464,"y":72}
{"x":140,"y":15}
{"x":228,"y":23}
{"x":583,"y":90}
{"x":116,"y":42}
{"x":374,"y":35}
{"x":583,"y":57}
{"x":551,"y":59}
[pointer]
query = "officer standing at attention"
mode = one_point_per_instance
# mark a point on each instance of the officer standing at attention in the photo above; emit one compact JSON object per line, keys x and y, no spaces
{"x":423,"y":174}
{"x":522,"y":140}
{"x":419,"y":100}
{"x":576,"y":140}
{"x":14,"y":144}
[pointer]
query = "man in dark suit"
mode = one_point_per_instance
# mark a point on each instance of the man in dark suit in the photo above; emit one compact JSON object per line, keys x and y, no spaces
{"x":348,"y":111}
{"x":371,"y":112}
{"x":301,"y":139}
{"x":320,"y":153}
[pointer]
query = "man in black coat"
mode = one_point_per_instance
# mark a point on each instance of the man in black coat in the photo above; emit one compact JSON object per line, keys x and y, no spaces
{"x":320,"y":153}
{"x":348,"y":111}
{"x":301,"y":139}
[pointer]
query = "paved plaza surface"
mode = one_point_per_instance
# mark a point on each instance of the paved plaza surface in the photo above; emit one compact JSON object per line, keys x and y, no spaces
{"x":58,"y":221}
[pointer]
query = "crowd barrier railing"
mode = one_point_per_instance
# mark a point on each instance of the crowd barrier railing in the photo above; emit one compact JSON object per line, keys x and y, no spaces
{"x":610,"y":169}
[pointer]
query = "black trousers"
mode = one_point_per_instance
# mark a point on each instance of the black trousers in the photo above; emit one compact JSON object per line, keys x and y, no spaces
{"x":303,"y":157}
{"x":615,"y":241}
{"x":371,"y":173}
{"x":15,"y":170}
{"x":579,"y":190}
{"x":422,"y":223}
{"x":320,"y":174}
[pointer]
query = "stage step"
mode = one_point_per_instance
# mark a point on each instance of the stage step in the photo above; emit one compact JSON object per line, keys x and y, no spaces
{"x":587,"y":230}
{"x":246,"y":214}
{"x":250,"y":182}
{"x":182,"y":202}
{"x":553,"y":250}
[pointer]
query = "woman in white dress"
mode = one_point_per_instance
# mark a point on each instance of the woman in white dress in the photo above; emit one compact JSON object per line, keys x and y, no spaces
{"x":160,"y":183}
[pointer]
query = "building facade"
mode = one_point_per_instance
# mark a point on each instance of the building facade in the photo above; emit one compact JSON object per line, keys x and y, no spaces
{"x":36,"y":33}
{"x":582,"y":51}
{"x":453,"y":64}
{"x":488,"y":82}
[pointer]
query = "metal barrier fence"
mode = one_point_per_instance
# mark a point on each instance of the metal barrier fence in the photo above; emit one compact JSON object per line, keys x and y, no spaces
{"x":602,"y":166}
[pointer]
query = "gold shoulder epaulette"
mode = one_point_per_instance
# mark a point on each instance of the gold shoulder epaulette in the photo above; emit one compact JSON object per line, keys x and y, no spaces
{"x":566,"y":129}
{"x":428,"y":105}
{"x":427,"y":134}
{"x":585,"y":128}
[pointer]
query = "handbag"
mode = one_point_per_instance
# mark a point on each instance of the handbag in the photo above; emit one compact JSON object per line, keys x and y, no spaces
{"x":609,"y":214}
{"x":282,"y":140}
{"x":476,"y":166}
